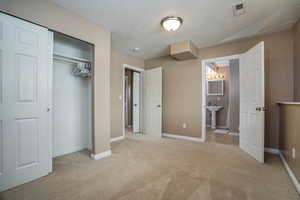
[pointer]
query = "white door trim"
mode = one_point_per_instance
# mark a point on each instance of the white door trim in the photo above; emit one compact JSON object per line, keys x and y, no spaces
{"x":236,"y":56}
{"x":139,"y":69}
{"x":50,"y":96}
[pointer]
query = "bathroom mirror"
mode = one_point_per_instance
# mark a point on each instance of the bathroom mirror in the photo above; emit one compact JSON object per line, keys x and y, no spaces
{"x":215,"y":87}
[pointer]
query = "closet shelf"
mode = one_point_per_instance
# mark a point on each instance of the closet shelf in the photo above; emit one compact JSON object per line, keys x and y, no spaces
{"x":70,"y":58}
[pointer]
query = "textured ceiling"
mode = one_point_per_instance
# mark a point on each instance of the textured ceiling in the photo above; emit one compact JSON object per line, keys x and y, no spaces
{"x":136,"y":23}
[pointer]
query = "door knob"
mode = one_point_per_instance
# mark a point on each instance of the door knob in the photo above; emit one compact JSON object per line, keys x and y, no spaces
{"x":159,"y":106}
{"x":261,"y":108}
{"x":135,"y":104}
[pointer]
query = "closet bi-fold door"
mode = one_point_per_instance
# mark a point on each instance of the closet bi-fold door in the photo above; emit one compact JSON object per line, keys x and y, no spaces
{"x":24,"y":140}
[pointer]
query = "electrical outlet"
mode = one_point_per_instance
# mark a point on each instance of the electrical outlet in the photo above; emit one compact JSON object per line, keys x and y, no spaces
{"x":184,"y":125}
{"x":293,"y":153}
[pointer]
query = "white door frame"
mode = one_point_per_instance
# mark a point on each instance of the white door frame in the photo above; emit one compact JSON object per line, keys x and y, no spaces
{"x":50,"y":96}
{"x":139,"y":69}
{"x":203,"y":66}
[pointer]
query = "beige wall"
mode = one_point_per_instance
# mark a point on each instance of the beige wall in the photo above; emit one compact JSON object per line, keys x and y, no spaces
{"x":290,"y":136}
{"x":182,"y":83}
{"x":297,"y":60}
{"x":57,"y":18}
{"x":116,"y":86}
{"x":181,"y":95}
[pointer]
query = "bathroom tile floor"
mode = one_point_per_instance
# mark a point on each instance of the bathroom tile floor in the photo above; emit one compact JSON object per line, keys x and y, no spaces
{"x":221,"y":138}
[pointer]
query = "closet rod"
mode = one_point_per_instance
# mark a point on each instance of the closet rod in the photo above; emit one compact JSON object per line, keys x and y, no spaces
{"x":69,"y":58}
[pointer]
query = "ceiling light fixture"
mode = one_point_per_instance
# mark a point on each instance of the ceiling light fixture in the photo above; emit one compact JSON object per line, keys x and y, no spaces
{"x":171,"y":23}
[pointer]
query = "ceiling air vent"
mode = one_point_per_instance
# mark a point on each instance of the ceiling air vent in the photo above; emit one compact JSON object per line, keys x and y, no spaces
{"x":239,"y":9}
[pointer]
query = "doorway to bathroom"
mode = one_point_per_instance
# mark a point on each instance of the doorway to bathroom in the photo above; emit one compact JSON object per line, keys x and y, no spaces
{"x":222,"y":100}
{"x":233,"y":100}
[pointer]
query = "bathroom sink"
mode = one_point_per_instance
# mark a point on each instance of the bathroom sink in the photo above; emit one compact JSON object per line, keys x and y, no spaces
{"x":214,"y":108}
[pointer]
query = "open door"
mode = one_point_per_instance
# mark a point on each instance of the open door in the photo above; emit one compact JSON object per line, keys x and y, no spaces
{"x":24,"y":137}
{"x":136,"y":102}
{"x":152,"y":102}
{"x":252,"y":102}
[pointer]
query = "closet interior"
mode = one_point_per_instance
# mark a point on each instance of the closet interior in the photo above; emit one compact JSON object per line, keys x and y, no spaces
{"x":72,"y":94}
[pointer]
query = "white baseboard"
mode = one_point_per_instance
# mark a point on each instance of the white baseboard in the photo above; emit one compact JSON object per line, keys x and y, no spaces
{"x":233,"y":134}
{"x":288,"y":169}
{"x":183,"y":137}
{"x":271,"y":150}
{"x":117,"y":138}
{"x":290,"y":173}
{"x":101,"y":155}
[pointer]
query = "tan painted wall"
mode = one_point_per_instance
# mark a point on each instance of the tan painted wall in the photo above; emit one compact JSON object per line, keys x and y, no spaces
{"x":116,"y":86}
{"x":57,"y":18}
{"x":290,"y":135}
{"x":297,"y":60}
{"x":182,"y":83}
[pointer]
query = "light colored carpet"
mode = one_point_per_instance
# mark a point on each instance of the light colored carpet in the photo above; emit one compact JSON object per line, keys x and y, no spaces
{"x":143,"y":168}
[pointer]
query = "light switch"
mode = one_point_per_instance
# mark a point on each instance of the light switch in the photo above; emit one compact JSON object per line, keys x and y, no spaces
{"x":293,"y":153}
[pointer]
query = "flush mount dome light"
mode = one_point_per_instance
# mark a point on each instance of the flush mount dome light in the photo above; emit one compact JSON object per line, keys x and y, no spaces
{"x":171,"y":23}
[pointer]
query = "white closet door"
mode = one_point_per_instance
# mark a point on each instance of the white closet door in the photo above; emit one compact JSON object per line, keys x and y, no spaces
{"x":252,"y":102}
{"x":152,"y":102}
{"x":25,"y":142}
{"x":136,"y":102}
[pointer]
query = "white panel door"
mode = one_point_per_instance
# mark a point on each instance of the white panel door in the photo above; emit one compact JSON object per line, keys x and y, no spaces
{"x":25,"y":143}
{"x":252,"y":102}
{"x":152,"y":102}
{"x":136,"y":102}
